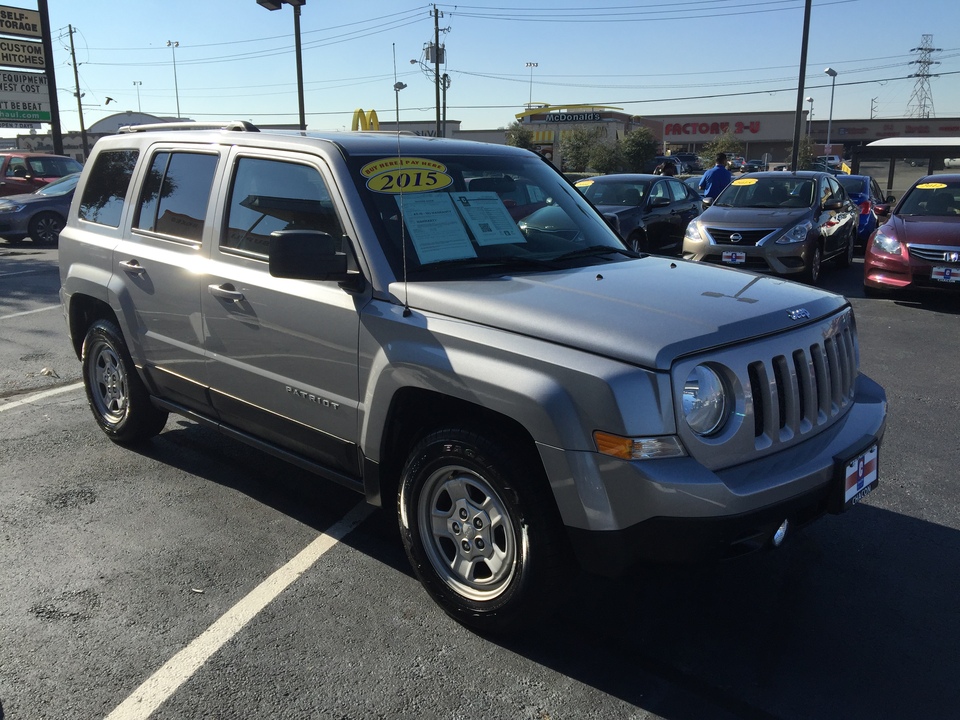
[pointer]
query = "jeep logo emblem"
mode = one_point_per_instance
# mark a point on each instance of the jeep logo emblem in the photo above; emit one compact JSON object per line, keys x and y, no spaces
{"x":798,"y":314}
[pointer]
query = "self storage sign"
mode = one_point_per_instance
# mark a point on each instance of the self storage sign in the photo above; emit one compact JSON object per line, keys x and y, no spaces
{"x":19,"y":22}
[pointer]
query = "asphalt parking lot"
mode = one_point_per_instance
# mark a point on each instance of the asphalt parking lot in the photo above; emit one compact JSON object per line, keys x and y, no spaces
{"x":198,"y":578}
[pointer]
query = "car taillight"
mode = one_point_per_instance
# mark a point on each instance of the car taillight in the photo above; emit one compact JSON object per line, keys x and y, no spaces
{"x":865,"y":207}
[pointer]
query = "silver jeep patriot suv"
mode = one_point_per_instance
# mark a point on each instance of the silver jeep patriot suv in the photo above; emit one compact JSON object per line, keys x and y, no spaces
{"x":451,"y":329}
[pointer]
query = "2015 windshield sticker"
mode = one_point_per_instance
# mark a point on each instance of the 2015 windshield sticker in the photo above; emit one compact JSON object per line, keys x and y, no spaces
{"x":405,"y":175}
{"x":744,"y":181}
{"x":931,"y":186}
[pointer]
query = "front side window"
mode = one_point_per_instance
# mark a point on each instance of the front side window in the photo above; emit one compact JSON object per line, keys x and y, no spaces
{"x":176,"y":193}
{"x":107,"y":186}
{"x":272,"y":195}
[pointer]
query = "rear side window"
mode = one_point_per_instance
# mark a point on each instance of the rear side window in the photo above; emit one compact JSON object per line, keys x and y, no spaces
{"x":107,"y":187}
{"x":176,"y":193}
{"x":269,"y":195}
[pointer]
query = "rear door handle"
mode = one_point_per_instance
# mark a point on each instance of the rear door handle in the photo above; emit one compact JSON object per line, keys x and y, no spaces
{"x":132,"y":267}
{"x":225,"y":292}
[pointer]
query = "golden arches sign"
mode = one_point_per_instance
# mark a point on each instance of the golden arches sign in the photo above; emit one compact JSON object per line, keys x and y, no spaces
{"x":365,"y":121}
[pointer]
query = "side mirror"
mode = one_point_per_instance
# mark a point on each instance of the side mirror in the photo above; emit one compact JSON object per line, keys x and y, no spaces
{"x":890,"y":199}
{"x":882,"y":210}
{"x":708,"y":201}
{"x":833,"y":204}
{"x":659,"y":202}
{"x":306,"y":255}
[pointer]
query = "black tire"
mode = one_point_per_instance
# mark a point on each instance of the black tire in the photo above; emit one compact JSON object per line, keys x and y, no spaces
{"x":481,"y":530}
{"x":117,"y":396}
{"x":811,"y":273}
{"x":845,"y":259}
{"x":45,"y":228}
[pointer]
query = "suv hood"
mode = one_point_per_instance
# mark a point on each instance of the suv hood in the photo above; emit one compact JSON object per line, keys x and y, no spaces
{"x":646,"y":312}
{"x":752,"y":217}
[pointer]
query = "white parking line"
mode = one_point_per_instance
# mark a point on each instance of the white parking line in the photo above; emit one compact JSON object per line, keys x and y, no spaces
{"x":163,"y":683}
{"x":30,"y":399}
{"x":29,"y":312}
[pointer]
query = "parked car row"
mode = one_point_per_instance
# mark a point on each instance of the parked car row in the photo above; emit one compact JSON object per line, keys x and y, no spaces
{"x":35,"y":193}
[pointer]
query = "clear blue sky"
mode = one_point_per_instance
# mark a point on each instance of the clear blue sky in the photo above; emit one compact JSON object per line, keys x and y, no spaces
{"x":235,"y":59}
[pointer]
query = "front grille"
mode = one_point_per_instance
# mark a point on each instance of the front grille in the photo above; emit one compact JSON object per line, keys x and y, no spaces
{"x":790,"y":387}
{"x":791,"y":394}
{"x":722,"y":236}
{"x":935,"y":253}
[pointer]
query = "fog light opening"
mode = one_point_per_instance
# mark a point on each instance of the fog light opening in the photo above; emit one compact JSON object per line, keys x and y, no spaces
{"x":780,"y":534}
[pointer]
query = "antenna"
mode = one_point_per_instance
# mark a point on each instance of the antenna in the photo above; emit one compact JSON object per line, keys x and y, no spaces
{"x":397,"y":87}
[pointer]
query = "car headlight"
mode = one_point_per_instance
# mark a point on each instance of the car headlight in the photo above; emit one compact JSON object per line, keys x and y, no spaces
{"x":693,"y":233}
{"x":798,"y":233}
{"x":704,"y":401}
{"x":10,"y":207}
{"x":887,"y":243}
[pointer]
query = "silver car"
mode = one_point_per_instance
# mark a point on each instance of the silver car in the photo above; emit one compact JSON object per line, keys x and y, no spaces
{"x":774,"y":222}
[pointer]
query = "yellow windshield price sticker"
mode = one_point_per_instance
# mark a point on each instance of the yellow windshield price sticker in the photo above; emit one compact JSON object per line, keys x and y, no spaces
{"x":583,"y":183}
{"x":931,"y":186}
{"x":744,"y":181}
{"x":405,"y":175}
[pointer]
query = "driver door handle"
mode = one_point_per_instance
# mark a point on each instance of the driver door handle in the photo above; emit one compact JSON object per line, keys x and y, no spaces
{"x":226,"y":291}
{"x":132,"y":267}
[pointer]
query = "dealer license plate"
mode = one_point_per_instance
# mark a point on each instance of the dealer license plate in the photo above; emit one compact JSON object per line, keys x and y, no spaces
{"x":945,"y":274}
{"x":734,"y":258}
{"x":860,"y":476}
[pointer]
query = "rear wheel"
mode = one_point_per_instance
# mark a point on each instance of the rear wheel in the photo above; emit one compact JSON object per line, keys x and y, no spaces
{"x":45,"y":228}
{"x":118,"y":398}
{"x":845,"y":259}
{"x":480,"y":529}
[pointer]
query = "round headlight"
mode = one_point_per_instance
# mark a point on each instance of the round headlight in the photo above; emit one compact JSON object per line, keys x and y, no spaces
{"x":704,"y":401}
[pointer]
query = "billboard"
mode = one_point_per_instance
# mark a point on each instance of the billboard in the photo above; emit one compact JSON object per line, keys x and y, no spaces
{"x":19,"y":22}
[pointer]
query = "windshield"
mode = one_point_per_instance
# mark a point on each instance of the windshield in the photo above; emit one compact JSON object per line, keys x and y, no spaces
{"x":489,"y":214}
{"x":768,"y":192}
{"x":60,"y":186}
{"x":628,"y":193}
{"x":932,"y":198}
{"x":852,"y":183}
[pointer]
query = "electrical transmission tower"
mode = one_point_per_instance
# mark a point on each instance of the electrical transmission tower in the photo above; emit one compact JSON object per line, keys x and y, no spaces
{"x":921,"y":101}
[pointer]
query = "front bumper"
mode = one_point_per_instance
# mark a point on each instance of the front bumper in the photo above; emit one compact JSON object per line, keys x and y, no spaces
{"x":620,"y":513}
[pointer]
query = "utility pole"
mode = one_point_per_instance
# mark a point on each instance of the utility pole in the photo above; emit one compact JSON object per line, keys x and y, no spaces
{"x":47,"y":41}
{"x":76,"y":79}
{"x":803,"y":71}
{"x":436,"y":63}
{"x":873,"y":107}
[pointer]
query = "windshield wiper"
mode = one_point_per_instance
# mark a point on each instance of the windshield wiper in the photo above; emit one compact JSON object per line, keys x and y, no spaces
{"x":487,"y":262}
{"x":595,"y":250}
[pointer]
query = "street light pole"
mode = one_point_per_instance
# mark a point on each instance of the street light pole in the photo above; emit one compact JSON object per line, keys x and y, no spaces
{"x":276,"y":5}
{"x":137,"y":84}
{"x":531,"y":65}
{"x":833,"y":83}
{"x":173,"y":45}
{"x":810,"y":115}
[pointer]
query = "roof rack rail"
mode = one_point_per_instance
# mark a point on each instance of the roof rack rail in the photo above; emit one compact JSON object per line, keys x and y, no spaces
{"x":232,"y":125}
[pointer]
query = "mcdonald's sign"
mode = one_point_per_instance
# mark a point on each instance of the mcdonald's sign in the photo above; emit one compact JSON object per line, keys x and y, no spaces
{"x":365,"y":121}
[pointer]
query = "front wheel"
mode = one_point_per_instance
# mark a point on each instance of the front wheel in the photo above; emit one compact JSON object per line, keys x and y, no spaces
{"x":117,"y":396}
{"x":45,"y":228}
{"x":480,"y":529}
{"x":811,"y":274}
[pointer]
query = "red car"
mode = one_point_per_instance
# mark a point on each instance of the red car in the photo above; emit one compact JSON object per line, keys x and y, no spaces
{"x":918,"y":244}
{"x":25,"y":172}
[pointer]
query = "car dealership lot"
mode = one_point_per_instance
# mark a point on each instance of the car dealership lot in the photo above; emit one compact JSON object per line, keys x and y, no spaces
{"x":112,"y":562}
